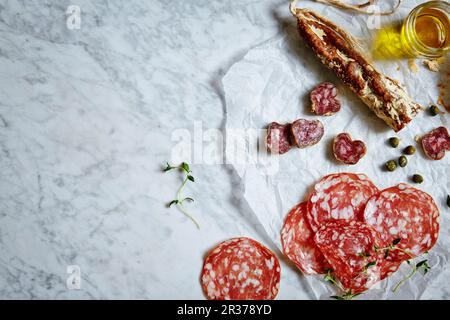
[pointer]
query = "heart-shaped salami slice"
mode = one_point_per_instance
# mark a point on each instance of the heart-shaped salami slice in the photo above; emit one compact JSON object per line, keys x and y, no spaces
{"x":306,"y":133}
{"x":347,"y":150}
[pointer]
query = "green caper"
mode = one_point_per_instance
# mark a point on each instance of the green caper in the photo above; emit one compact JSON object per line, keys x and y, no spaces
{"x":409,"y":150}
{"x":402,"y":161}
{"x":417,"y":178}
{"x":391,"y":165}
{"x":394,"y":142}
{"x":434,"y":110}
{"x":448,"y":200}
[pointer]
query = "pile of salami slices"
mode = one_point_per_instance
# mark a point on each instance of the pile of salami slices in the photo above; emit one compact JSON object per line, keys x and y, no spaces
{"x":358,"y":233}
{"x":348,"y":229}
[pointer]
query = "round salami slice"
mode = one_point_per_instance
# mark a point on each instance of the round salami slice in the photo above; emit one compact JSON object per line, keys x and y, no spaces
{"x":435,"y":143}
{"x":339,"y":196}
{"x":346,"y":150}
{"x":323,"y":99}
{"x":298,"y":243}
{"x":241,"y":269}
{"x":306,"y":133}
{"x":349,"y":248}
{"x":405,"y":215}
{"x":278,"y":138}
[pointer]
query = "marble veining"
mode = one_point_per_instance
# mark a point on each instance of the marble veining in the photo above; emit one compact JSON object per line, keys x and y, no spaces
{"x":86,"y":118}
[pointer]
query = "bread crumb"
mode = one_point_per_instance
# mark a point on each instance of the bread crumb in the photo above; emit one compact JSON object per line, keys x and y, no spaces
{"x":412,"y":65}
{"x":431,"y":64}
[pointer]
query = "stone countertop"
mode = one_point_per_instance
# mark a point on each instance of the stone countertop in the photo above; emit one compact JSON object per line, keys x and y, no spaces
{"x":91,"y":106}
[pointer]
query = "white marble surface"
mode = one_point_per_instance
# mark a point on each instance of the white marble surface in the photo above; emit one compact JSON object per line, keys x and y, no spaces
{"x":86,"y":118}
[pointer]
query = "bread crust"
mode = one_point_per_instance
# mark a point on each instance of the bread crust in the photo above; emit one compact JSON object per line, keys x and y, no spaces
{"x":339,"y":51}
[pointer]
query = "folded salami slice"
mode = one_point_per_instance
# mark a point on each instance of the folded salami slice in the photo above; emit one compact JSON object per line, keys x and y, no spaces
{"x":346,"y":150}
{"x":323,"y":99}
{"x":241,"y":269}
{"x":435,"y":143}
{"x":278,"y":138}
{"x":349,"y":248}
{"x":339,"y":196}
{"x":306,"y":133}
{"x":298,"y":243}
{"x":338,"y":50}
{"x":407,"y":215}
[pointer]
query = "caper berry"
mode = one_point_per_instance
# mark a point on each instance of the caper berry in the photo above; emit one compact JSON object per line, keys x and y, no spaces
{"x":409,"y":150}
{"x":417,"y":178}
{"x":434,"y":110}
{"x":394,"y":142}
{"x":391,"y":165}
{"x":448,"y":200}
{"x":402,"y":161}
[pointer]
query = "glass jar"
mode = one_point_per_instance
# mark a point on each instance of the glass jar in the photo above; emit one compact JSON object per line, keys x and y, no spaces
{"x":426,"y":30}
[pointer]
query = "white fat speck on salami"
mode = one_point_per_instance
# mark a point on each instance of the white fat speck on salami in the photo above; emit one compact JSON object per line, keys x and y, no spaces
{"x":306,"y":133}
{"x":348,"y":247}
{"x":241,"y":269}
{"x":298,"y":244}
{"x":323,"y":99}
{"x":435,"y":143}
{"x":339,"y":196}
{"x":406,"y":213}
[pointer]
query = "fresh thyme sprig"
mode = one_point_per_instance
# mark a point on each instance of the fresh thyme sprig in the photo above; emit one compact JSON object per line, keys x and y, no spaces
{"x":179,"y":200}
{"x":420,"y":266}
{"x":347,"y":295}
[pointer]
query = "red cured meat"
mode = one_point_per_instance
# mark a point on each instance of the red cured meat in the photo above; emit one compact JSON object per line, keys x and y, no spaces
{"x":349,"y":248}
{"x":339,"y":196}
{"x":241,"y":269}
{"x":278,"y":138}
{"x":323,"y":99}
{"x":347,"y":150}
{"x":298,"y":243}
{"x":435,"y":143}
{"x":405,"y":213}
{"x":306,"y":133}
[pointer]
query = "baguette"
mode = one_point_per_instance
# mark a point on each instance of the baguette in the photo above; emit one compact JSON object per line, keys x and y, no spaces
{"x":338,"y":50}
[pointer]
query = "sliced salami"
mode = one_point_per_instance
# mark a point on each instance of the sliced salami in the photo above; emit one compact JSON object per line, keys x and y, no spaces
{"x":278,"y":138}
{"x":339,"y":196}
{"x":435,"y":143}
{"x":297,"y":240}
{"x":241,"y":269}
{"x":306,"y":133}
{"x":349,"y":248}
{"x":407,"y":215}
{"x":323,"y":99}
{"x":346,"y":150}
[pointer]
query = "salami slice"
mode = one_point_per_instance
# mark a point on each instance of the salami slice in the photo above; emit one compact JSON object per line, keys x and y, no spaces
{"x":298,"y":244}
{"x":346,"y":150}
{"x":435,"y":143}
{"x":241,"y":269}
{"x":278,"y":138}
{"x":349,"y":248}
{"x":323,"y":99}
{"x":306,"y":133}
{"x":339,"y":196}
{"x":407,"y":215}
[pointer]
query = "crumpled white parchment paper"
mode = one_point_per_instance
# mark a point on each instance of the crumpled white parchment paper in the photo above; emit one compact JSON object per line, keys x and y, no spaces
{"x":272,"y":83}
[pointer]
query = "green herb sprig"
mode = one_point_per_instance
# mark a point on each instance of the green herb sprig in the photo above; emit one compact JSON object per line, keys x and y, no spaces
{"x":179,"y":199}
{"x":422,"y":266}
{"x":347,"y":295}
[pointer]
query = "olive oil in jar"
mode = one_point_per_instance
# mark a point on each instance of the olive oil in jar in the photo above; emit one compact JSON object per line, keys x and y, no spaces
{"x":426,"y":30}
{"x":433,"y":28}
